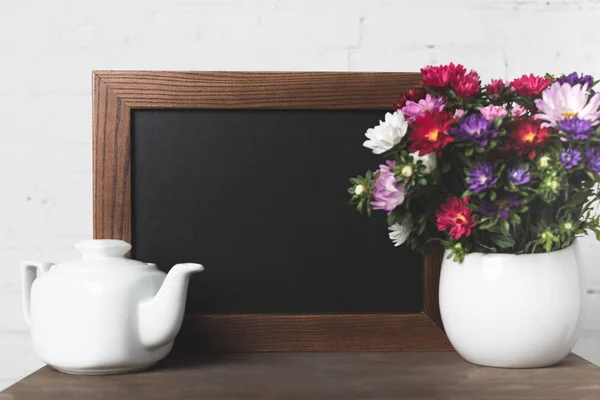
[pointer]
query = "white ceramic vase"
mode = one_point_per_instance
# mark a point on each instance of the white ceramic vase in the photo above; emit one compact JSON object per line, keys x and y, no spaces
{"x":513,"y":311}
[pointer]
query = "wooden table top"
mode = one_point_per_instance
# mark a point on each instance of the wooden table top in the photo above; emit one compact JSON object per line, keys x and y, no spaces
{"x":394,"y":375}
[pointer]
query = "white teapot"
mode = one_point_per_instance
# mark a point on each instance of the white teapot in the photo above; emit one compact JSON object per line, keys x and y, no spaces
{"x":103,"y":313}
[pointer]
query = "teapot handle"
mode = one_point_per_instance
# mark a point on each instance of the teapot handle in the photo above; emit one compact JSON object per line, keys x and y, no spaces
{"x":29,"y":271}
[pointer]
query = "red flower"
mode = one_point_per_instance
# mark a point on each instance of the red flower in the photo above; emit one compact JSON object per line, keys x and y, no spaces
{"x":442,"y":75}
{"x":530,"y":85}
{"x":495,"y":87}
{"x":455,"y":215}
{"x":430,"y":133}
{"x":526,"y":136}
{"x":466,"y":85}
{"x":411,"y":95}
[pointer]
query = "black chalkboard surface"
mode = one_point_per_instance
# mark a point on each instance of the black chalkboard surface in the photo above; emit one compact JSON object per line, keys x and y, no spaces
{"x":259,"y":197}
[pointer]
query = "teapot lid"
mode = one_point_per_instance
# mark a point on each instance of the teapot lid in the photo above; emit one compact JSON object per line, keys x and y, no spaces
{"x":102,"y":253}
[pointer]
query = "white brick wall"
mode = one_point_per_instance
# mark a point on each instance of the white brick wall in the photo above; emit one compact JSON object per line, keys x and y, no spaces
{"x":48,"y":49}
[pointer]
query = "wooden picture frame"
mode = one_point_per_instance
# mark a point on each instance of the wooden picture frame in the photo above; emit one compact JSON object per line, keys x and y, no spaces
{"x":117,"y":93}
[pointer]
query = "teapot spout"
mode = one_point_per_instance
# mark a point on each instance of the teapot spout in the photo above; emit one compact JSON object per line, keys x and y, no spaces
{"x":160,"y":318}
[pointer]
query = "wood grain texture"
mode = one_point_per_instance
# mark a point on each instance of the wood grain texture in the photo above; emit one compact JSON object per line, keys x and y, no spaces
{"x":259,"y":90}
{"x":431,"y":283}
{"x":117,"y":93}
{"x":326,"y":332}
{"x":331,"y":376}
{"x":111,"y":164}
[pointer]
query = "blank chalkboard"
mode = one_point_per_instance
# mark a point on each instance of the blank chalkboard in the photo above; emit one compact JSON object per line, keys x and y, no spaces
{"x":247,"y":173}
{"x":259,"y":197}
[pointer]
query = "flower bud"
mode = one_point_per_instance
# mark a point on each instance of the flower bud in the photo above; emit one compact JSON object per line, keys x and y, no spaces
{"x":406,"y":171}
{"x":544,"y":161}
{"x":359,"y":189}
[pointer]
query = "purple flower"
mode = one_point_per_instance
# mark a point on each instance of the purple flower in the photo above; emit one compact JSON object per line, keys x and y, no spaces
{"x":501,"y":206}
{"x":412,"y":109}
{"x":481,"y":178}
{"x":569,"y":158}
{"x":574,"y":78}
{"x":387,"y":194}
{"x":474,"y":128}
{"x":575,"y":128}
{"x":592,"y":159}
{"x":519,"y":176}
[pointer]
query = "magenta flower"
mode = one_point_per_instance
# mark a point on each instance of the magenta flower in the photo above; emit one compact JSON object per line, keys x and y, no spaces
{"x":412,"y":109}
{"x":387,"y":194}
{"x":492,"y":112}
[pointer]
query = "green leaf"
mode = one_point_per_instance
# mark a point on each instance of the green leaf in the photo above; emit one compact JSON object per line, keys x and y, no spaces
{"x":469,"y":152}
{"x":467,"y":193}
{"x":487,"y":225}
{"x":591,"y":175}
{"x":497,"y":122}
{"x":391,"y":219}
{"x":505,"y":227}
{"x":493,"y":195}
{"x":495,"y":228}
{"x":515,"y":218}
{"x":503,"y":241}
{"x":487,"y":248}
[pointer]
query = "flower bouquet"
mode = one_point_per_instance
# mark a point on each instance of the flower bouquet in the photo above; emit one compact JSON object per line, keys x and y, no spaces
{"x":508,"y":167}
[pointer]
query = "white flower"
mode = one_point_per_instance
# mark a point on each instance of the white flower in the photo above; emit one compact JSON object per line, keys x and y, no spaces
{"x":400,"y":233}
{"x":429,"y":160}
{"x":359,"y":189}
{"x":387,"y":134}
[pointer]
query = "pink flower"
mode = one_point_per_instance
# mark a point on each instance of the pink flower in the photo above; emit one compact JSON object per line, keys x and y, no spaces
{"x":564,"y":101}
{"x":412,"y":109}
{"x":495,"y":87}
{"x":459,"y":113}
{"x":518,"y":111}
{"x":531,"y":85}
{"x":441,"y":75}
{"x":466,"y":85}
{"x":387,"y":194}
{"x":492,"y":112}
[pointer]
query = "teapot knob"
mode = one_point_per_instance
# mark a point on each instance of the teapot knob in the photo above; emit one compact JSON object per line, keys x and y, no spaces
{"x":103,"y":248}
